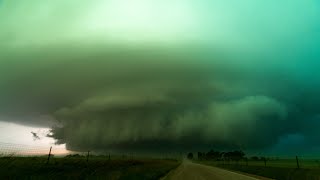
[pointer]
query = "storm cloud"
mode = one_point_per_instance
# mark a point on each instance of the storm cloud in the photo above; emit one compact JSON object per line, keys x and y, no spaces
{"x":191,"y":82}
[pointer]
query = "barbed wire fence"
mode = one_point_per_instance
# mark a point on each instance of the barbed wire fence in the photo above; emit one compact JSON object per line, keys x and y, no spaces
{"x":303,"y":162}
{"x":47,"y":151}
{"x":13,"y":149}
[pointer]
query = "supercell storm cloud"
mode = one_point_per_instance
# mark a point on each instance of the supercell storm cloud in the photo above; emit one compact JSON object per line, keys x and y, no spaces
{"x":143,"y":76}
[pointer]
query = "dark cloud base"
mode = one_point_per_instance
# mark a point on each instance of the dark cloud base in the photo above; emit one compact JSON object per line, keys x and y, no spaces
{"x":153,"y":101}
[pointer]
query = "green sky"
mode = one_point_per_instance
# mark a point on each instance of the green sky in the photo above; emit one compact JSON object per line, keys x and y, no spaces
{"x":160,"y":75}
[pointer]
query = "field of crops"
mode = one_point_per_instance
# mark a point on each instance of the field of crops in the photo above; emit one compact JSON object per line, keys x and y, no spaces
{"x":79,"y":168}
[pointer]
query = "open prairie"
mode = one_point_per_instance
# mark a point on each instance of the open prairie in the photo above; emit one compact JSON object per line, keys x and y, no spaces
{"x":79,"y":168}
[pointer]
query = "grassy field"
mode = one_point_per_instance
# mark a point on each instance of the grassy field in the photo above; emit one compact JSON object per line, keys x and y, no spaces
{"x":284,"y":169}
{"x":79,"y":168}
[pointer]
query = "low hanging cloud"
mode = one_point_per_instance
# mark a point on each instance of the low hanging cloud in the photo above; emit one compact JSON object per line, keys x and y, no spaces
{"x":35,"y":136}
{"x":143,"y":103}
{"x":177,"y":105}
{"x":113,"y":122}
{"x":140,"y":103}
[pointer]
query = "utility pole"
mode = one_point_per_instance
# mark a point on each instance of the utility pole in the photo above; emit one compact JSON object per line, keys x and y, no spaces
{"x":49,"y":155}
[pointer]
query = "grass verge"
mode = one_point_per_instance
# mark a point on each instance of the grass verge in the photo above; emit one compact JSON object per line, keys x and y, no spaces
{"x":78,"y":168}
{"x":279,"y":173}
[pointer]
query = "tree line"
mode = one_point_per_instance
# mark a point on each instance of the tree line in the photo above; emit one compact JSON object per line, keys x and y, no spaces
{"x":236,"y":155}
{"x":218,"y":156}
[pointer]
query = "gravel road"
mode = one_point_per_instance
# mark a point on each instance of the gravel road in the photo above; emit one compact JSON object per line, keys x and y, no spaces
{"x":192,"y":171}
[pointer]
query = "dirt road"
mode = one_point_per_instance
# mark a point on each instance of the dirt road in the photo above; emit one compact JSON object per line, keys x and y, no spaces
{"x":192,"y":171}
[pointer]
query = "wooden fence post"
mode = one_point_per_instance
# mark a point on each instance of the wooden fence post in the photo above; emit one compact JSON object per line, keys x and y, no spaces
{"x":88,"y":156}
{"x":298,"y":166}
{"x":49,"y":155}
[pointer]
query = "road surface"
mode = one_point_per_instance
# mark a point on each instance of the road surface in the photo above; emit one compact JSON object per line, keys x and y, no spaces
{"x":192,"y":171}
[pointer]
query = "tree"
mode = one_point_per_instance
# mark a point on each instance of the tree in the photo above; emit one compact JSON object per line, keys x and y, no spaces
{"x":255,"y":158}
{"x":234,"y":155}
{"x":190,"y":156}
{"x":214,"y":155}
{"x":201,"y":156}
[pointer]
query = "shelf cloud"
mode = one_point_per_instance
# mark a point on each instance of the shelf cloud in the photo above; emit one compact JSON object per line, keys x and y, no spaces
{"x":189,"y":79}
